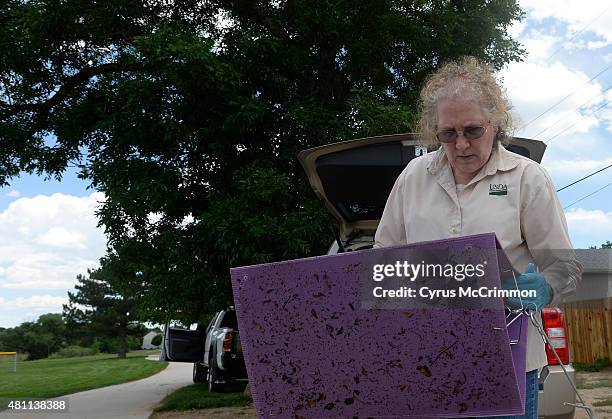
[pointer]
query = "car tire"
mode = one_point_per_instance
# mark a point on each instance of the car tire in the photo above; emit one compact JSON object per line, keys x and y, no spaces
{"x":216,"y":382}
{"x":200,"y":372}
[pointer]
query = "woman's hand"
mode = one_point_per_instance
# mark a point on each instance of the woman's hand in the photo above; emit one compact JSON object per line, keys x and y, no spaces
{"x":530,"y":280}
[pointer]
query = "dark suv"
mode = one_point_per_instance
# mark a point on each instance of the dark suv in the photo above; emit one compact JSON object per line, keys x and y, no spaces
{"x":216,"y":352}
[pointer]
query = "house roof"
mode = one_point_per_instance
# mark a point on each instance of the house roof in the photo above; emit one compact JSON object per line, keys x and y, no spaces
{"x":595,"y":260}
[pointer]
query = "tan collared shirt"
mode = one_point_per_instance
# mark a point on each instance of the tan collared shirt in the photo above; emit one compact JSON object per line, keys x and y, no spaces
{"x":511,"y":196}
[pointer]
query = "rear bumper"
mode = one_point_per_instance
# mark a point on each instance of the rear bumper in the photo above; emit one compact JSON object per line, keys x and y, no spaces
{"x":233,"y":364}
{"x":554,"y":391}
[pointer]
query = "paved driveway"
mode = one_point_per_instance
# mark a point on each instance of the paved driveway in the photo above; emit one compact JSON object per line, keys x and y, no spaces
{"x":133,"y":400}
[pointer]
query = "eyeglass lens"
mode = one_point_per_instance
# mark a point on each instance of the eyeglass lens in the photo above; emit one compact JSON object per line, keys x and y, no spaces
{"x":470,"y":133}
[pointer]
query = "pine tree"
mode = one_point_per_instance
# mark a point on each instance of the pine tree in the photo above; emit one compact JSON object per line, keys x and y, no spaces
{"x":98,"y":308}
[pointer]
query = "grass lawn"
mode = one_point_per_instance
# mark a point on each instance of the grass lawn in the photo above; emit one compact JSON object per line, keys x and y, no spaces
{"x":56,"y":377}
{"x":196,"y":396}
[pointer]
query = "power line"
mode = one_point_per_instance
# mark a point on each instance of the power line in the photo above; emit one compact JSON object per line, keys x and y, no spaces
{"x":587,"y":176}
{"x":578,"y":33}
{"x":570,"y":113}
{"x":585,"y":197}
{"x":565,"y":116}
{"x":552,"y":55}
{"x":572,"y":125}
{"x":564,"y":98}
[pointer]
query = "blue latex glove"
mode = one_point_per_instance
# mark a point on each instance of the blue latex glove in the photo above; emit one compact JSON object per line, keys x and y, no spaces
{"x":530,"y":280}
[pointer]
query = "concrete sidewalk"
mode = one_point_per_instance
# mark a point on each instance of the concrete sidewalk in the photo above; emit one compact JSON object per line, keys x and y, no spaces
{"x":133,"y":400}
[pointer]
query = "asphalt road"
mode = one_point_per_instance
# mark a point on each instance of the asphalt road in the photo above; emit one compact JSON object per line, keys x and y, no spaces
{"x":133,"y":400}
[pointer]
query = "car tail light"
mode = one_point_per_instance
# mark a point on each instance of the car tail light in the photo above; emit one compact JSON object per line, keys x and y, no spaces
{"x":554,"y":326}
{"x":228,"y":341}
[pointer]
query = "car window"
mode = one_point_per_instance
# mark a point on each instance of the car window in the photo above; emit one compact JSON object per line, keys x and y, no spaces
{"x":229,"y":320}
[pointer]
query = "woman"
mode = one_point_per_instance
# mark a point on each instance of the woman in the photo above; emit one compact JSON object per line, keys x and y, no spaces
{"x":473,"y":185}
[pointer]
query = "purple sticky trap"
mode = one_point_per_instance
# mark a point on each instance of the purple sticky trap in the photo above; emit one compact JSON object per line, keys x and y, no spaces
{"x":311,"y":351}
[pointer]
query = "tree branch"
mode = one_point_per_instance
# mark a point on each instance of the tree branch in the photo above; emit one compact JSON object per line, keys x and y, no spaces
{"x":67,"y":88}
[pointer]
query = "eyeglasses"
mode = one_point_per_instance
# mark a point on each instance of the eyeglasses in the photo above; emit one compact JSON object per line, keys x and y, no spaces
{"x":469,"y":133}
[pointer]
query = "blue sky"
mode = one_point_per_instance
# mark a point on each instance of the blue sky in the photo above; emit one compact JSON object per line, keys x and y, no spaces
{"x":48,"y":232}
{"x":561,"y":94}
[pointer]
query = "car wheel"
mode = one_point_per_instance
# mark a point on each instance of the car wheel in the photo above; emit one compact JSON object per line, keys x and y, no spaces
{"x":200,"y":373}
{"x":216,"y":379}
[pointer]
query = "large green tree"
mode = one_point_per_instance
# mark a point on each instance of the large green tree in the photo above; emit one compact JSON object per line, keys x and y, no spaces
{"x":189,"y":115}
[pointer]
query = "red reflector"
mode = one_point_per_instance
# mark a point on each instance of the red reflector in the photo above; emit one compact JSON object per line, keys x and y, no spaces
{"x":228,"y":340}
{"x":554,"y":325}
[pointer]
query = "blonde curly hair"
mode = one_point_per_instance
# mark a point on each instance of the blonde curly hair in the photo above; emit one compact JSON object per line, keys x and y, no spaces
{"x":465,"y":79}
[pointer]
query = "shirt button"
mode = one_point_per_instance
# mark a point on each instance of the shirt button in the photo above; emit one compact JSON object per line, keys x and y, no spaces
{"x":454,"y":230}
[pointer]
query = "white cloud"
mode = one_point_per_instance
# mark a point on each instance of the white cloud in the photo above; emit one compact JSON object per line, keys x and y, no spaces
{"x":13,"y":194}
{"x":606,"y":116}
{"x":575,"y":168}
{"x":15,"y":311}
{"x":154,"y":217}
{"x":33,"y":302}
{"x":187,"y":220}
{"x":539,"y":45}
{"x":535,"y":88}
{"x":60,"y":237}
{"x":588,"y":16}
{"x":597,"y":44}
{"x":589,"y":227}
{"x":517,"y":28}
{"x":46,"y":241}
{"x":46,"y":271}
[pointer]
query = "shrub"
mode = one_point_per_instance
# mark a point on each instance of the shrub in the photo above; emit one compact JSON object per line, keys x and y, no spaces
{"x":133,"y":343}
{"x":72,"y":351}
{"x":157,"y":340}
{"x":110,"y":345}
{"x":598,"y":365}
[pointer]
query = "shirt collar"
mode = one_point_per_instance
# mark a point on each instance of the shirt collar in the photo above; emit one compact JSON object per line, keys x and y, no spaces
{"x":500,"y":159}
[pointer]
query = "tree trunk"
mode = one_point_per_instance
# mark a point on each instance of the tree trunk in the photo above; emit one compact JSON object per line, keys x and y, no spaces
{"x":121,"y":349}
